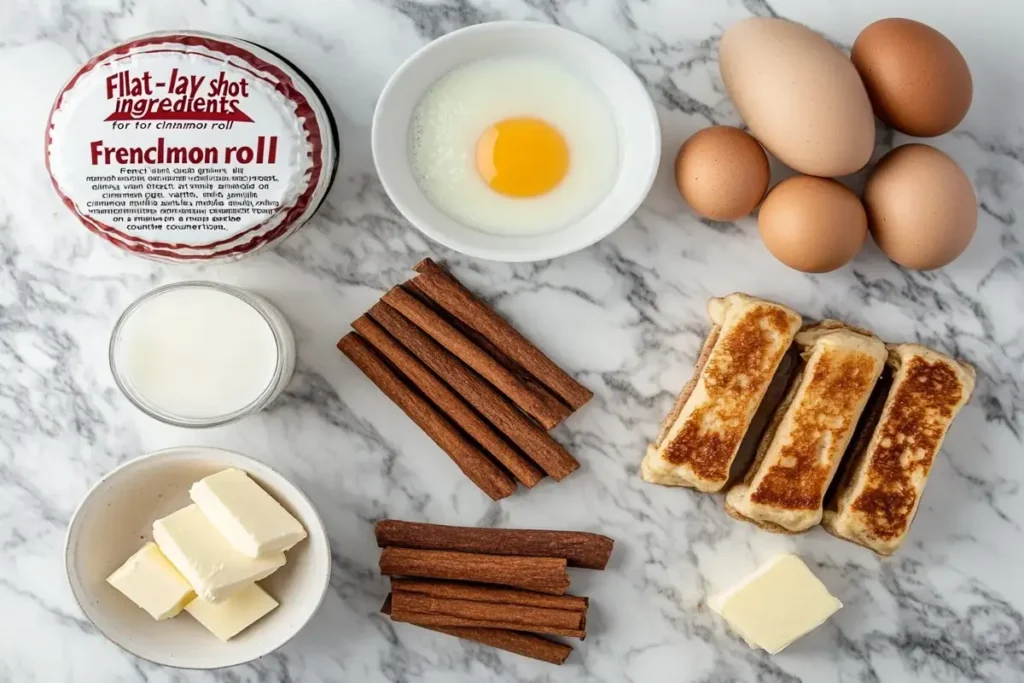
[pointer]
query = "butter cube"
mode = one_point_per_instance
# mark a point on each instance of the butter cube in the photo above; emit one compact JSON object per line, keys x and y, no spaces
{"x":229,"y":618}
{"x":205,"y":558}
{"x":149,"y":580}
{"x":777,"y":604}
{"x":253,"y":522}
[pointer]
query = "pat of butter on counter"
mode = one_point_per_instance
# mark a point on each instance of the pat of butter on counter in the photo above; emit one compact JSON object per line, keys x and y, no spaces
{"x":247,"y":516}
{"x":149,"y":580}
{"x":232,"y":616}
{"x":779,"y":603}
{"x":205,"y":558}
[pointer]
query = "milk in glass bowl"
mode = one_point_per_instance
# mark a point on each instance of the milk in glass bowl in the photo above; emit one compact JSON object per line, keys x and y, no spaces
{"x":200,"y":354}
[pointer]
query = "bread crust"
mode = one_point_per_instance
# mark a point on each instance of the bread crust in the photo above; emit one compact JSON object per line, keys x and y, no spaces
{"x":784,"y":489}
{"x":879,"y":495}
{"x":701,"y":435}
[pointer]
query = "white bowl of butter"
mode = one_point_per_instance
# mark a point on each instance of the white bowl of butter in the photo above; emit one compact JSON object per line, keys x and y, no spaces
{"x":115,"y":522}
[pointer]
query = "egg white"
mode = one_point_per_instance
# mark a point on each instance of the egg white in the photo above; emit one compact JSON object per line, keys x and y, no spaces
{"x":457,"y":109}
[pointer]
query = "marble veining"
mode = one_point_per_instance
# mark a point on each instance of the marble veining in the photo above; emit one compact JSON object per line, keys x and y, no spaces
{"x":626,"y":316}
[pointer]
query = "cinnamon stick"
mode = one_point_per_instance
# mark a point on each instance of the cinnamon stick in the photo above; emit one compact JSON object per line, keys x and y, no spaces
{"x":543,"y":407}
{"x":449,"y":402}
{"x":541,"y":574}
{"x":414,"y":287}
{"x":537,"y":444}
{"x":524,"y":644}
{"x":481,"y":470}
{"x":426,"y":609}
{"x":443,"y":288}
{"x":579,"y":549}
{"x":493,"y":594}
{"x":431,"y":619}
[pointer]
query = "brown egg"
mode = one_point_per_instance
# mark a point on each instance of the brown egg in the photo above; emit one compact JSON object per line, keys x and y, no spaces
{"x":917,"y":80}
{"x":722,"y":173}
{"x":812,"y":224}
{"x":921,"y":207}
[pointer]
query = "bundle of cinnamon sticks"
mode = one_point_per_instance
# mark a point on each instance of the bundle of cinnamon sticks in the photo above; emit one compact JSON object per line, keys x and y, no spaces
{"x":500,"y":587}
{"x":475,"y":385}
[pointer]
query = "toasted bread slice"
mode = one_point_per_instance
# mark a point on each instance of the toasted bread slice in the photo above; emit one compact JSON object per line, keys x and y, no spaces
{"x":812,"y":428}
{"x":877,"y":497}
{"x":702,"y":433}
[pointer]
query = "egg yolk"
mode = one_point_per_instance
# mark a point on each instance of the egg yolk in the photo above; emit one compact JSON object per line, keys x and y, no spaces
{"x":522,"y":157}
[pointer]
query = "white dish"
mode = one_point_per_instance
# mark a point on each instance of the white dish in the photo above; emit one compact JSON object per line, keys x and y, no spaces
{"x":115,"y":518}
{"x":639,"y":135}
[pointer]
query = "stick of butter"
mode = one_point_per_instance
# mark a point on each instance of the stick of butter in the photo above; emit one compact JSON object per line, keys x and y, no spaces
{"x":149,"y":580}
{"x":234,"y":615}
{"x":779,"y":603}
{"x":253,"y":522}
{"x":205,"y":558}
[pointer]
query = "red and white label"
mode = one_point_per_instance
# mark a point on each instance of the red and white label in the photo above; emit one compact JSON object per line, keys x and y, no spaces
{"x":185,"y":146}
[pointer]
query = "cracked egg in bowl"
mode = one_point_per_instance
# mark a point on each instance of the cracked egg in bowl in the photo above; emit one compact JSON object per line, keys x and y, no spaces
{"x":515,"y":141}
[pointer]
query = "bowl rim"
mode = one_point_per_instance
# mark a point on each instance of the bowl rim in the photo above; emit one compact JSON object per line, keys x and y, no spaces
{"x":237,"y":459}
{"x":551,"y":249}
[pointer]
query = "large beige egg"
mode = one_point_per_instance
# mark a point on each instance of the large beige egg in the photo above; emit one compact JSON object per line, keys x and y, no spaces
{"x":799,"y":95}
{"x":812,"y":224}
{"x":921,"y":207}
{"x":722,"y":173}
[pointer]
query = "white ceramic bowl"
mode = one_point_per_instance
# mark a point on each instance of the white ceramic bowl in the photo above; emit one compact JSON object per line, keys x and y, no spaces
{"x":116,"y":518}
{"x":639,"y":135}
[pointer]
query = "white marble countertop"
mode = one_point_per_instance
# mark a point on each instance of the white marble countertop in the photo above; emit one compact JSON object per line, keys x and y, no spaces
{"x":626,"y":316}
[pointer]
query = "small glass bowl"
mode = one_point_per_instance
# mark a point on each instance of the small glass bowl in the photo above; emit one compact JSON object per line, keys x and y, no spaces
{"x":284,"y":342}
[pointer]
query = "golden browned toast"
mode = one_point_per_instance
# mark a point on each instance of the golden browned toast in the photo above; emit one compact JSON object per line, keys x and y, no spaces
{"x":878,"y":495}
{"x":811,"y":429}
{"x":701,"y":435}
